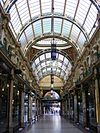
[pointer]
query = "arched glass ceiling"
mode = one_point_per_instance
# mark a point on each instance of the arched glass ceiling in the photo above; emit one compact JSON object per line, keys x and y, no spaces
{"x":74,"y":19}
{"x":44,"y":65}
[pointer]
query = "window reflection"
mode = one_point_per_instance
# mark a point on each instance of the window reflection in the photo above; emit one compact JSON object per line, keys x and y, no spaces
{"x":26,"y":107}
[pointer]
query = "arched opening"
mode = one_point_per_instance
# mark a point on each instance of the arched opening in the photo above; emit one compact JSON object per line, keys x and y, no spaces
{"x":51,"y":103}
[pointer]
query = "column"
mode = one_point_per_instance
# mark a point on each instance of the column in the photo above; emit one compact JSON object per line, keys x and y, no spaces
{"x":97,"y":97}
{"x":69,"y":115}
{"x":75,"y":107}
{"x":37,"y":109}
{"x":61,"y":108}
{"x":41,"y":109}
{"x":66,"y":106}
{"x":30,"y":108}
{"x":84,"y":108}
{"x":10,"y":102}
{"x":72,"y":107}
{"x":22,"y":109}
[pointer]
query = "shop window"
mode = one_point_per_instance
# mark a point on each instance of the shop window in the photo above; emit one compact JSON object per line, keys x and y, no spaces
{"x":72,"y":107}
{"x":92,"y":110}
{"x":16,"y":105}
{"x":80,"y":107}
{"x":4,"y":89}
{"x":26,"y":108}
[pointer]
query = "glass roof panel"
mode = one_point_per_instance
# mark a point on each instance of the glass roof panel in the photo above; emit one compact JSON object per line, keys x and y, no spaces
{"x":15,"y":19}
{"x":59,"y":64}
{"x":48,"y":63}
{"x":93,"y":30}
{"x":90,"y":18}
{"x":81,"y":13}
{"x":75,"y":32}
{"x":29,"y":32}
{"x":34,"y":7}
{"x":57,"y":25}
{"x":23,"y":39}
{"x":40,"y":74}
{"x":43,"y":64}
{"x":37,"y":61}
{"x":46,"y":6}
{"x":22,"y":8}
{"x":44,"y":70}
{"x":33,"y":66}
{"x":58,"y":70}
{"x":71,"y":7}
{"x":47,"y":25}
{"x":81,"y":40}
{"x":59,"y":6}
{"x":14,"y":33}
{"x":38,"y":67}
{"x":48,"y":55}
{"x":63,"y":67}
{"x":54,"y":69}
{"x":61,"y":57}
{"x":42,"y":57}
{"x":69,"y":65}
{"x":65,"y":61}
{"x":37,"y":28}
{"x":62,"y":73}
{"x":49,"y":69}
{"x":66,"y":28}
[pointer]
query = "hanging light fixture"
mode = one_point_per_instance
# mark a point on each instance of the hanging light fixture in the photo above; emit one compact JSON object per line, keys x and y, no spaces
{"x":52,"y":81}
{"x":53,"y":57}
{"x":53,"y":50}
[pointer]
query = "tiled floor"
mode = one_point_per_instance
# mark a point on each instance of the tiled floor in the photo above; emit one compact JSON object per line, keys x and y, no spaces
{"x":53,"y":124}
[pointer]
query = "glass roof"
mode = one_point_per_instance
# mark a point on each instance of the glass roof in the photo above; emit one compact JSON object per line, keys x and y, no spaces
{"x":73,"y":19}
{"x":44,"y":65}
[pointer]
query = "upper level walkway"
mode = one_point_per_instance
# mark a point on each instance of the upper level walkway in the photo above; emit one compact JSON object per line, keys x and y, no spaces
{"x":52,"y":124}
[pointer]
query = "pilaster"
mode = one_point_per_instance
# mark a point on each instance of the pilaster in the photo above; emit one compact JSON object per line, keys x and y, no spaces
{"x":97,"y":97}
{"x":30,"y":108}
{"x":11,"y":102}
{"x":22,"y":109}
{"x":75,"y":108}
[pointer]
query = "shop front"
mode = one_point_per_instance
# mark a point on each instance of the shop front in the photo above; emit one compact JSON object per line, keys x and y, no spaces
{"x":4,"y":101}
